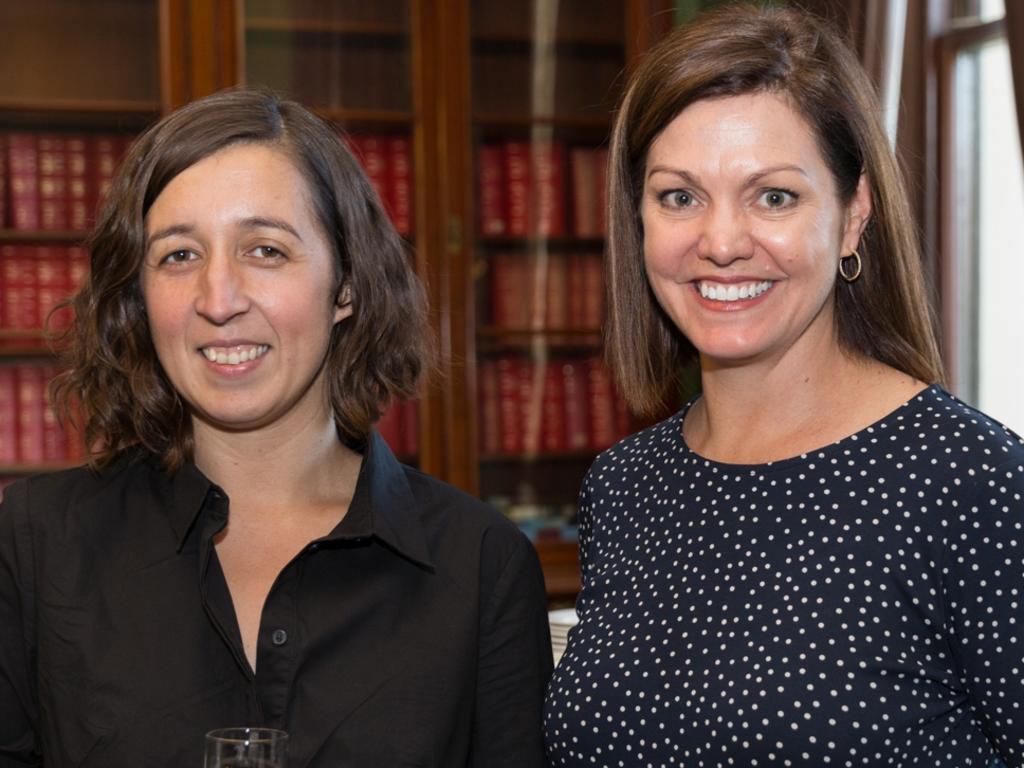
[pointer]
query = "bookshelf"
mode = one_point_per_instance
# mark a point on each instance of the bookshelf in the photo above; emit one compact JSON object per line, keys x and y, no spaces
{"x":420,"y":89}
{"x":544,"y":80}
{"x":69,"y":105}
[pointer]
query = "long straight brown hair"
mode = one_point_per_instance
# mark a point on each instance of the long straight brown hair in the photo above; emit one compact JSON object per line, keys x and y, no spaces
{"x":741,"y":49}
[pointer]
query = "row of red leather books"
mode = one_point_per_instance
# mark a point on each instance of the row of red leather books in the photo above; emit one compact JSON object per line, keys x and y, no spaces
{"x":34,"y":279}
{"x":387,"y":161}
{"x":550,"y":291}
{"x":541,"y":189}
{"x":55,"y":181}
{"x":555,"y":406}
{"x":30,"y":432}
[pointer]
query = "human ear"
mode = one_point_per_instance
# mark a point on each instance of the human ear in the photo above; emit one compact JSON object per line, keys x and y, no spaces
{"x":858,"y":213}
{"x":343,"y":304}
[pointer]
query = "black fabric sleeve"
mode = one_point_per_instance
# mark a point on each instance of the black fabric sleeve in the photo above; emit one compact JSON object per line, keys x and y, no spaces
{"x":18,"y":707}
{"x":514,"y":662}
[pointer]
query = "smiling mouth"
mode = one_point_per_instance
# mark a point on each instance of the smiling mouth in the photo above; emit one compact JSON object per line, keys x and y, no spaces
{"x":234,"y":355}
{"x":734,"y":291}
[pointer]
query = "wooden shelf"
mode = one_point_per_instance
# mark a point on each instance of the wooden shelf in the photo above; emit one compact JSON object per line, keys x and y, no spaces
{"x":120,"y":115}
{"x":551,"y":243}
{"x":320,"y":26}
{"x":514,"y":120}
{"x":565,"y":39}
{"x":28,"y":343}
{"x":367,"y":118}
{"x":42,"y":235}
{"x":560,"y":561}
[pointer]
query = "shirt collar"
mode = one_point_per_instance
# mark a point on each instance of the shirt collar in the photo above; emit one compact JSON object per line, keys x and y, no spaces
{"x":382,"y":507}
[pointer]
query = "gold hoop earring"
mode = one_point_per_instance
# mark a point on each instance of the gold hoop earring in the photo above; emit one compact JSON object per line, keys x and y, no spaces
{"x":850,"y":277}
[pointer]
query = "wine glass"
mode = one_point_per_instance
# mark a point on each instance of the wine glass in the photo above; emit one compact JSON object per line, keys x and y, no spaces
{"x":246,"y":748}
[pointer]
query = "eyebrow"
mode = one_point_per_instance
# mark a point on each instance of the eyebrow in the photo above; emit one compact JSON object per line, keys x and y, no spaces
{"x":753,"y":178}
{"x":250,"y":222}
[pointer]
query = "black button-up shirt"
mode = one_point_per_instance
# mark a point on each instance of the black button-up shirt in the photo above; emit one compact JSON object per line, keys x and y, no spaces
{"x":415,"y":634}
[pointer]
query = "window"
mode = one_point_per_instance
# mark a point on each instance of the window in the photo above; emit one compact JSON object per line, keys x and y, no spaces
{"x":982,"y":213}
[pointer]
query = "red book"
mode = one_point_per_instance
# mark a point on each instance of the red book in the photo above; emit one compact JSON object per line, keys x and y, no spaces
{"x":584,"y":192}
{"x":399,"y":186}
{"x":574,"y":386}
{"x":517,"y":188}
{"x":8,"y":416}
{"x":390,"y":426}
{"x":78,"y":267}
{"x":54,"y":439}
{"x":509,"y":405}
{"x":575,"y":285}
{"x":53,"y":284}
{"x":30,"y":386}
{"x":104,"y":155}
{"x":601,"y":405}
{"x":492,"y":191}
{"x":21,"y":290}
{"x":549,"y":188}
{"x":601,"y":186}
{"x":557,"y":291}
{"x":74,"y":444}
{"x":79,"y":198}
{"x":372,"y":155}
{"x":531,"y":395}
{"x":488,"y":398}
{"x":510,"y":290}
{"x":3,"y":180}
{"x":53,"y":193}
{"x":410,"y":419}
{"x":553,"y":437}
{"x":410,"y":428}
{"x":23,"y":173}
{"x":593,"y":291}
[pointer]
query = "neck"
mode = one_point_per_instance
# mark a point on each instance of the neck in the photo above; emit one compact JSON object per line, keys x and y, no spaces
{"x":776,"y":409}
{"x":284,"y":466}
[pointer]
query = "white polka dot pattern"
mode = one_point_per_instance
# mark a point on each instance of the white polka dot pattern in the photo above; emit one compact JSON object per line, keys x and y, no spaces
{"x":856,"y":606}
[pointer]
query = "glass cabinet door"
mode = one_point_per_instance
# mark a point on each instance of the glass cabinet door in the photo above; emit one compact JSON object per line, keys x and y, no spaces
{"x":77,"y":82}
{"x":545,"y":77}
{"x":350,"y":61}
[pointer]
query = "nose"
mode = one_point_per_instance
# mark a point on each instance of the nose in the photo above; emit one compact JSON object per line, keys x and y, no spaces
{"x":221,"y":294}
{"x":726,"y":236}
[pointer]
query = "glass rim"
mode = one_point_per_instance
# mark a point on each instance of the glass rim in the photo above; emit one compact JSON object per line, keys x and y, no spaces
{"x":247,"y":735}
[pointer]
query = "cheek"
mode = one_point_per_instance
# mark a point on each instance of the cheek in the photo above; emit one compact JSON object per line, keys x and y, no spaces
{"x":167,"y":311}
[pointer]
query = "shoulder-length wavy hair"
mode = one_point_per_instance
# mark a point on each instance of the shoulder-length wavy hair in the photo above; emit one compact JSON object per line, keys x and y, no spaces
{"x":741,"y":49}
{"x":113,"y":378}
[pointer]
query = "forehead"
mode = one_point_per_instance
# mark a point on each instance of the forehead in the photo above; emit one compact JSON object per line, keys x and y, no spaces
{"x":260,"y":171}
{"x":755,"y":127}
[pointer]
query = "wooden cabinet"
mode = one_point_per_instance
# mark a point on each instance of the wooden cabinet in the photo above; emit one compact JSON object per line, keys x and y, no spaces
{"x":464,"y":113}
{"x":77,"y":81}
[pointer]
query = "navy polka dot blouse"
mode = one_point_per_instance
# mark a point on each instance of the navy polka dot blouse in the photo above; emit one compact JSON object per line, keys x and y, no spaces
{"x":860,"y":605}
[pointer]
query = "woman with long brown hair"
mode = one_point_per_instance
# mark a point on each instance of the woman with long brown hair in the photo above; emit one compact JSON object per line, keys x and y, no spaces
{"x":819,"y":559}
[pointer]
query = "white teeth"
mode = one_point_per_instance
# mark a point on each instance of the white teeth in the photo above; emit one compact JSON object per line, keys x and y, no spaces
{"x":234,"y":356}
{"x":719,"y":292}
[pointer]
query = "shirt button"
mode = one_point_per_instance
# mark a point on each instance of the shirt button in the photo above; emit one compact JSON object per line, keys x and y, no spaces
{"x":280,"y":637}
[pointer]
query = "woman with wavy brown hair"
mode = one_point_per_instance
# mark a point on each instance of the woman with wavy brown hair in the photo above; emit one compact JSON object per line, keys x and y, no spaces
{"x":818,"y":560}
{"x":244,"y":549}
